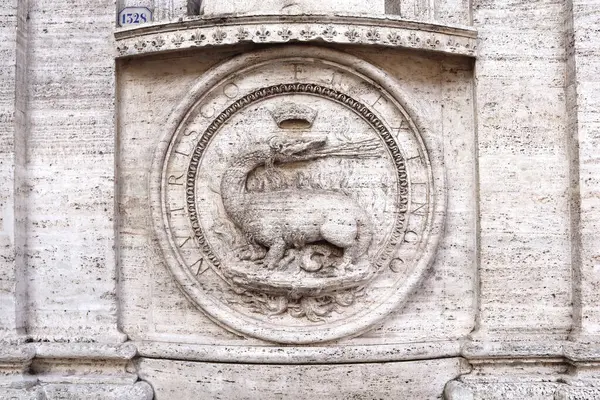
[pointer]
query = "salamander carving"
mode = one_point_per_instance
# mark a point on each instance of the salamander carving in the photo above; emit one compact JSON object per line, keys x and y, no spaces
{"x":274,"y":222}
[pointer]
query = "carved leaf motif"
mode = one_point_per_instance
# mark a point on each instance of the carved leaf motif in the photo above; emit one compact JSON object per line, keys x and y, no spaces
{"x":242,"y":34}
{"x":394,"y":38}
{"x":285,"y":33}
{"x":352,"y":35}
{"x":329,"y":33}
{"x":158,"y":42}
{"x":177,"y":40}
{"x":219,"y":35}
{"x":373,"y":35}
{"x":433,"y":42}
{"x":198,"y":37}
{"x":262,"y":34}
{"x":413,"y":39}
{"x":307,"y":33}
{"x":140,"y":45}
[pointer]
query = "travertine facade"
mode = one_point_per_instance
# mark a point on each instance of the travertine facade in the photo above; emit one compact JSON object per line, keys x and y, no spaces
{"x":300,"y":199}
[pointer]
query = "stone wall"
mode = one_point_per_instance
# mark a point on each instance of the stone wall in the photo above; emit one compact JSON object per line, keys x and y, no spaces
{"x":523,"y":169}
{"x":493,"y":104}
{"x":12,"y":163}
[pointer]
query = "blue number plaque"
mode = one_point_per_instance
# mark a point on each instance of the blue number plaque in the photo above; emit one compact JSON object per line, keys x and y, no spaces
{"x":134,"y":16}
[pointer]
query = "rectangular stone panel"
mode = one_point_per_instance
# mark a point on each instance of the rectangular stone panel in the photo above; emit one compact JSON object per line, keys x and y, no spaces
{"x":422,"y":380}
{"x":154,"y":307}
{"x":525,"y":244}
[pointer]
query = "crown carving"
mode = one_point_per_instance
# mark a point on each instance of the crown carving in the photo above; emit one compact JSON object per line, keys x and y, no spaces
{"x":293,"y":115}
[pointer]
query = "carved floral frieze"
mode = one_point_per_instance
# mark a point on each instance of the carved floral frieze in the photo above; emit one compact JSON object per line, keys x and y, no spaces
{"x":152,"y":39}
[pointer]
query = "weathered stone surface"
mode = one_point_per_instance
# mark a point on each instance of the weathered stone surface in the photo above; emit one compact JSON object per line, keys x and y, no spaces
{"x":341,"y":29}
{"x":405,"y":324}
{"x":283,"y":212}
{"x":525,"y":247}
{"x":577,"y":393}
{"x":389,"y":199}
{"x":410,"y":380}
{"x":275,"y":7}
{"x":13,"y":124}
{"x":582,"y":108}
{"x":70,"y":173}
{"x":139,"y":391}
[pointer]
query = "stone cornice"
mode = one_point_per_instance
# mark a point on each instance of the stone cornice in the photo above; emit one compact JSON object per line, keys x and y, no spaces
{"x":192,"y":33}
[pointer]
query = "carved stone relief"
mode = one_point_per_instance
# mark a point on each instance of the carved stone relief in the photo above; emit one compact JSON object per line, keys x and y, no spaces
{"x":281,"y":196}
{"x":390,"y":33}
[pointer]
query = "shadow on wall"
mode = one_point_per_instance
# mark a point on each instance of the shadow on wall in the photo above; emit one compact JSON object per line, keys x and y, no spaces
{"x":392,"y":7}
{"x":193,"y":7}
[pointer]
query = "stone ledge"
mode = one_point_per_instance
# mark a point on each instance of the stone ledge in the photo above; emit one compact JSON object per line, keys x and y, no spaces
{"x":476,"y":352}
{"x":577,"y":393}
{"x":70,"y":371}
{"x":490,"y":390}
{"x":66,"y":371}
{"x":16,"y":354}
{"x":125,"y":351}
{"x":299,"y":355}
{"x":353,"y":30}
{"x":572,"y":352}
{"x":528,"y":369}
{"x":137,"y":391}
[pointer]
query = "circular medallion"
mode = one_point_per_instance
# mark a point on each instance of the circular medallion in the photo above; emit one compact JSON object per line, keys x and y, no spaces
{"x":293,"y":196}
